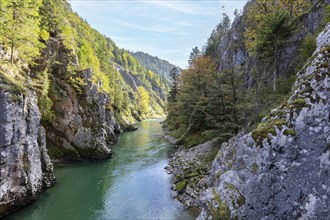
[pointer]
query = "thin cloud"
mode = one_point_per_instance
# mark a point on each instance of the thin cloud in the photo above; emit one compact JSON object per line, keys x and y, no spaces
{"x":165,"y":28}
{"x":123,"y":38}
{"x":154,"y":28}
{"x":179,"y":7}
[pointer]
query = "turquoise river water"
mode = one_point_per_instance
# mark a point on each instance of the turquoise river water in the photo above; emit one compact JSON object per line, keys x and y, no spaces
{"x":131,"y":185}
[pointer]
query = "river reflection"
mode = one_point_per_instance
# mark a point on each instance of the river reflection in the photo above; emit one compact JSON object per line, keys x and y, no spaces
{"x":131,"y":185}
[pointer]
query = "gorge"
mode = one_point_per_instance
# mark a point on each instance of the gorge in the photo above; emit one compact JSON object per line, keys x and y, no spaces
{"x":132,"y":183}
{"x":248,"y":118}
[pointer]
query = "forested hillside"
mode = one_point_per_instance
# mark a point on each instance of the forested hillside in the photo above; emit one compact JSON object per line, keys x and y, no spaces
{"x":29,"y":29}
{"x":155,"y":64}
{"x":245,"y":69}
{"x":88,"y":89}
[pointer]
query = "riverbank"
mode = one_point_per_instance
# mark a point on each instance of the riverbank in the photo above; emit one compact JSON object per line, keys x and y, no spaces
{"x":190,"y":169}
{"x":132,"y":184}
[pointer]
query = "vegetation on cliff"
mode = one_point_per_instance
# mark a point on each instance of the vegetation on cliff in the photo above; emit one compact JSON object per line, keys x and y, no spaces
{"x":244,"y":70}
{"x":28,"y":30}
{"x":155,"y":64}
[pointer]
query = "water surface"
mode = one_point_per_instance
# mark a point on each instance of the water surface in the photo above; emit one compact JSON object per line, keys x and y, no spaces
{"x":131,"y":185}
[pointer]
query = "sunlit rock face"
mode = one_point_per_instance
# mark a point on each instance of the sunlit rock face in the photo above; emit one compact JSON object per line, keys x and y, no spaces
{"x":281,"y":169}
{"x":83,"y":125}
{"x":25,"y":167}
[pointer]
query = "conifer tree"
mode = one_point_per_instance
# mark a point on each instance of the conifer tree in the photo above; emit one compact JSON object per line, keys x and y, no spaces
{"x":174,"y":74}
{"x":274,"y":32}
{"x":20,"y":29}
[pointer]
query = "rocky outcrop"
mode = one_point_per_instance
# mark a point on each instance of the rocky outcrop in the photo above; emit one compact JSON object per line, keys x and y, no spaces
{"x":289,"y":58}
{"x":134,"y":82}
{"x":25,"y":167}
{"x":130,"y":79}
{"x":83,"y":125}
{"x":190,"y":169}
{"x":281,"y":170}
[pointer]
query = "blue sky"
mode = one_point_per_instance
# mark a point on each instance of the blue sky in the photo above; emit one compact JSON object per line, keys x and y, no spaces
{"x":167,"y":29}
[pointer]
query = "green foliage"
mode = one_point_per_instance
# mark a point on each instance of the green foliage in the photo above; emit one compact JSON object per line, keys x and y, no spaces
{"x":308,"y":46}
{"x":195,"y":53}
{"x":260,"y":10}
{"x":19,"y":29}
{"x":44,"y":35}
{"x":180,"y":187}
{"x":27,"y":27}
{"x":143,"y":100}
{"x":289,"y":132}
{"x":265,"y":128}
{"x":45,"y":104}
{"x":221,"y":211}
{"x":174,"y":74}
{"x":78,"y":83}
{"x":158,"y":66}
{"x":8,"y":83}
{"x":275,"y":29}
{"x":327,"y":14}
{"x":212,"y":47}
{"x":207,"y":104}
{"x":299,"y":103}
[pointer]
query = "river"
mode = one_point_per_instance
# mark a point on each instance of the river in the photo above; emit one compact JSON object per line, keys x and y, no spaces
{"x":131,"y":185}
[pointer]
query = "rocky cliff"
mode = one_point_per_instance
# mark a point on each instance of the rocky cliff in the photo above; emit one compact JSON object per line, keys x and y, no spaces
{"x":281,"y":169}
{"x":25,"y":167}
{"x":233,"y":51}
{"x":133,"y":81}
{"x":83,"y":124}
{"x":190,"y":169}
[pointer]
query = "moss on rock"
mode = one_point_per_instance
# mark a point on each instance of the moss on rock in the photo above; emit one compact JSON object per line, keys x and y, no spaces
{"x":221,"y":211}
{"x":263,"y":129}
{"x":299,"y":103}
{"x":289,"y":132}
{"x":180,"y":186}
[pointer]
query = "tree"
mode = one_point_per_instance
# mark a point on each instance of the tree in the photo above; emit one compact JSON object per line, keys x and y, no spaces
{"x":143,"y":100}
{"x":214,"y":41}
{"x":20,"y":29}
{"x":174,"y":74}
{"x":50,"y":11}
{"x":259,"y":10}
{"x":274,"y":32}
{"x":195,"y":53}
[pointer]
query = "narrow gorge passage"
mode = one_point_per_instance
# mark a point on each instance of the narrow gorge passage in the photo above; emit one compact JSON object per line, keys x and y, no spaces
{"x":133,"y":183}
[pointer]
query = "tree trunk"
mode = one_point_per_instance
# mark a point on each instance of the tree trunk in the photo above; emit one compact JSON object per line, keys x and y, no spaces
{"x":257,"y":109}
{"x":275,"y":68}
{"x":12,"y":35}
{"x":233,"y":84}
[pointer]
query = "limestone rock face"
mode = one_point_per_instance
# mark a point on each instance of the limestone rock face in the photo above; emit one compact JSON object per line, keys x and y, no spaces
{"x":83,"y":125}
{"x":190,"y":171}
{"x":25,"y":167}
{"x":281,"y":170}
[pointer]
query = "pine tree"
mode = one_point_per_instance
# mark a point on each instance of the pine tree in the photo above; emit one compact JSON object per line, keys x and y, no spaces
{"x":275,"y":30}
{"x":174,"y":74}
{"x":195,"y":53}
{"x":51,"y":13}
{"x":20,"y":29}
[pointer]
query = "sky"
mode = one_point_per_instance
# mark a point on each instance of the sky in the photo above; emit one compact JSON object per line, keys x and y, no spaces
{"x":168,"y":29}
